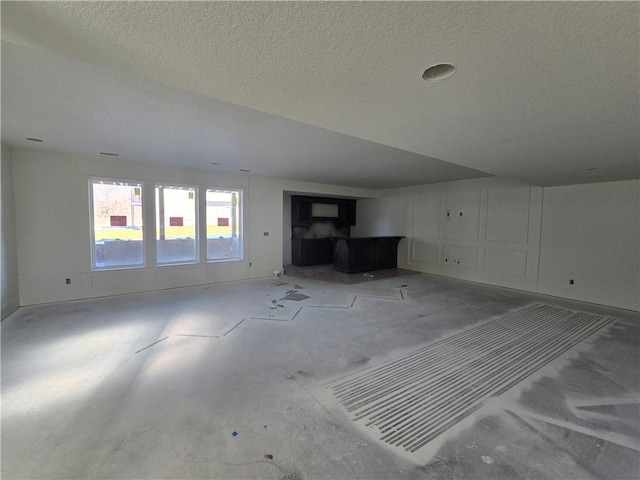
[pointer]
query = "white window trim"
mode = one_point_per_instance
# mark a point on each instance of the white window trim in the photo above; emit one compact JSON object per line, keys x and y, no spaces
{"x":196,"y":189}
{"x":92,"y":231}
{"x":241,"y":193}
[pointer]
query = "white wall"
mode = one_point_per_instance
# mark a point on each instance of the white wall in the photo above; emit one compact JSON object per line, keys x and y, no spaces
{"x":591,"y":234}
{"x":518,"y":235}
{"x":8,"y":258}
{"x":265,"y":216}
{"x":382,"y":216}
{"x":53,"y":230}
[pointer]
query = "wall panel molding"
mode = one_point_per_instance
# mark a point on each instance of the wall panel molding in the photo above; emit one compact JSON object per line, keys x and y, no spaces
{"x":505,"y":261}
{"x":507,"y":218}
{"x":495,"y":241}
{"x":423,"y":251}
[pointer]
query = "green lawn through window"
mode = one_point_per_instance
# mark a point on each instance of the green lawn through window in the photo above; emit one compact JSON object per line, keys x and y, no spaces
{"x":113,"y":233}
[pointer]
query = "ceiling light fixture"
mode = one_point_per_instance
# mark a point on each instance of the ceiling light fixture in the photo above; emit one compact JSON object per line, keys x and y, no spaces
{"x":110,"y":154}
{"x":591,"y":169}
{"x":244,"y":170}
{"x":32,"y":139}
{"x":438,"y":72}
{"x":215,"y":163}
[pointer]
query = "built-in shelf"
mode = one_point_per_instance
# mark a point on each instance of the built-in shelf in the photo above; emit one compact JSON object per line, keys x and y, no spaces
{"x":304,"y":210}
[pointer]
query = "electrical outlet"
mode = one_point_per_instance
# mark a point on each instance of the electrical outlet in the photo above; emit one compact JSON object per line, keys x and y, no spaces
{"x":265,"y":234}
{"x":571,"y":281}
{"x":68,"y":281}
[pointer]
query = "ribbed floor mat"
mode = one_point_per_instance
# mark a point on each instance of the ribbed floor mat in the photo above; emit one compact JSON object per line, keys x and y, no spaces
{"x":419,"y":396}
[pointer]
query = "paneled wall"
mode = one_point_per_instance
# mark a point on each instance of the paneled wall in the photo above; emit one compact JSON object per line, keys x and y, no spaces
{"x":578,"y":241}
{"x":485,"y":230}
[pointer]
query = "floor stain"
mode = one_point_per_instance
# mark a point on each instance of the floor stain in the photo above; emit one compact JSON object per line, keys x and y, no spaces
{"x":293,"y":475}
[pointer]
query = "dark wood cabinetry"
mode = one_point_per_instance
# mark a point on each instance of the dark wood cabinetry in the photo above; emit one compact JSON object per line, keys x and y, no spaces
{"x":301,"y":210}
{"x":329,"y":223}
{"x":311,"y":251}
{"x":352,"y":255}
{"x":347,"y":212}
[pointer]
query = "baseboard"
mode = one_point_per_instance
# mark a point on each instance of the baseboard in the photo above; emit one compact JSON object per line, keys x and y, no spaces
{"x":9,"y":307}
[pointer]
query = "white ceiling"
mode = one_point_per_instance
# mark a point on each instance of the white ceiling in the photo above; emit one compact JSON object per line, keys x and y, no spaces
{"x":544,"y":91}
{"x":80,"y":108}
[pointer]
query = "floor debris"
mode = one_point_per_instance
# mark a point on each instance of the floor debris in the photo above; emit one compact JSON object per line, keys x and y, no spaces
{"x":300,"y":373}
{"x":243,"y":380}
{"x":234,"y":434}
{"x":268,"y":456}
{"x":296,"y":297}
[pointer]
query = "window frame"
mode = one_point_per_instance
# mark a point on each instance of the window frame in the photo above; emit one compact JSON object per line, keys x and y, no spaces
{"x":240,"y":192}
{"x":92,"y":180}
{"x":156,"y":216}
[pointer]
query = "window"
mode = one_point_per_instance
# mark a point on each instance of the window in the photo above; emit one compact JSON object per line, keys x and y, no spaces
{"x":176,"y":224}
{"x":117,"y":235}
{"x":116,"y":212}
{"x":224,"y":228}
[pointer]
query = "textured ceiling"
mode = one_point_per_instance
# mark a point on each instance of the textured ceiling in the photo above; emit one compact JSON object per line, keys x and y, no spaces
{"x":80,"y":108}
{"x":543,"y":92}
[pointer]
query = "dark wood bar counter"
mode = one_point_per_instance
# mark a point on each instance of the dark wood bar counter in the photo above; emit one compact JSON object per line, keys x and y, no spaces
{"x":362,"y":254}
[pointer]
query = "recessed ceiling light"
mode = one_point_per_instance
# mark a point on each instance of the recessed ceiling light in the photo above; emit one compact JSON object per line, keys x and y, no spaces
{"x":438,"y":72}
{"x":215,"y":163}
{"x":110,"y":154}
{"x":244,"y":170}
{"x":32,"y":139}
{"x":591,"y":169}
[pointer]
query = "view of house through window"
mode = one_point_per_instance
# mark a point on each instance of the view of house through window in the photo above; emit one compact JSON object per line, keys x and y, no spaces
{"x":117,"y":224}
{"x":116,"y":211}
{"x":224,"y":240}
{"x":176,"y":224}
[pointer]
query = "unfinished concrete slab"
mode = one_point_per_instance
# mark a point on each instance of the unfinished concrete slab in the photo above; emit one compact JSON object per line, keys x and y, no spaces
{"x":194,"y":383}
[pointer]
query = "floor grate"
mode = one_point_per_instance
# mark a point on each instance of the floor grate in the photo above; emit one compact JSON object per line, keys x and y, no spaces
{"x":417,"y":397}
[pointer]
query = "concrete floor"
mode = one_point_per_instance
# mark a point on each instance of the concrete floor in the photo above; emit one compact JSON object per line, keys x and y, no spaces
{"x":87,"y":393}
